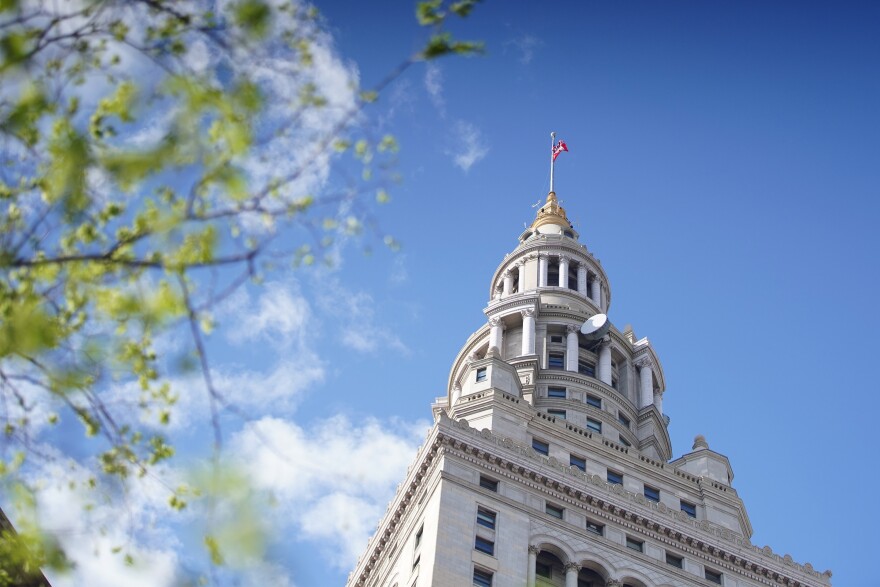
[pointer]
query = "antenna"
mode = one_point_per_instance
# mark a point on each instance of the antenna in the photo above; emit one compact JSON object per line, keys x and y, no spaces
{"x":596,"y":327}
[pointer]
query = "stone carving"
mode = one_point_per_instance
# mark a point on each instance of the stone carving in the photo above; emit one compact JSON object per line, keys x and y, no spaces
{"x":528,"y":312}
{"x":572,"y":328}
{"x":569,"y":567}
{"x":534,"y":549}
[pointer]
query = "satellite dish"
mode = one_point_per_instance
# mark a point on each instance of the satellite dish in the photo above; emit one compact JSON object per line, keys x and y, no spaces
{"x":596,"y":327}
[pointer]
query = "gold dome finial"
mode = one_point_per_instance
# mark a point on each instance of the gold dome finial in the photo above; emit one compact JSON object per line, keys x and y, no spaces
{"x":551,"y":213}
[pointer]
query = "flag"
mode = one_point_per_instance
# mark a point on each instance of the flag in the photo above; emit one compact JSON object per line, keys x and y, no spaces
{"x":558,"y":148}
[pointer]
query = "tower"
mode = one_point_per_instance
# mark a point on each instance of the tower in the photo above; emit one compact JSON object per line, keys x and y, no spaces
{"x":550,"y":463}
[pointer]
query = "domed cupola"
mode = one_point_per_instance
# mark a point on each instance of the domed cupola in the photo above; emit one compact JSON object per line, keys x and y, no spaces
{"x":551,"y":219}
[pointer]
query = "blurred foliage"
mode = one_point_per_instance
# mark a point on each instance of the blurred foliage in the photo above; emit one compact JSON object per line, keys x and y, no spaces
{"x":138,"y":189}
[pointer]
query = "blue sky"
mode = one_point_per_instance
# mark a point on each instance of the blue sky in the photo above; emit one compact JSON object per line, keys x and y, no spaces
{"x":723,"y":165}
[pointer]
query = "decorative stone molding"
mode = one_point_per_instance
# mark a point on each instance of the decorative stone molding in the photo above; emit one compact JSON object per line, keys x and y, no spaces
{"x":534,"y":549}
{"x":496,"y":321}
{"x":572,"y":328}
{"x":613,"y":583}
{"x":527,"y":312}
{"x":572,"y":567}
{"x":644,"y":362}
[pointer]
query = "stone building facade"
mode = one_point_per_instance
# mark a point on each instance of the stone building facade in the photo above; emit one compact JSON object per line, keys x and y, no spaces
{"x":550,"y":463}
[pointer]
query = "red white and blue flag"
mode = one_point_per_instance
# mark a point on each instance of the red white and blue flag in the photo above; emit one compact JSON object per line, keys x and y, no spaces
{"x":558,"y":148}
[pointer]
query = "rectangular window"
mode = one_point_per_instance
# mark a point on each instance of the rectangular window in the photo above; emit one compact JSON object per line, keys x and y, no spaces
{"x":594,"y":401}
{"x":481,"y":374}
{"x":623,"y":419}
{"x":484,"y":545}
{"x":556,"y":392}
{"x":540,"y":446}
{"x":634,"y":544}
{"x":713,"y":576}
{"x":615,"y":477}
{"x":689,"y":508}
{"x":554,"y":510}
{"x":556,"y":360}
{"x":419,"y":535}
{"x":652,"y":494}
{"x":556,"y":338}
{"x":543,"y":570}
{"x":674,"y":561}
{"x":624,"y":441}
{"x":594,"y":425}
{"x":482,"y":578}
{"x":486,"y":518}
{"x":490,"y":484}
{"x":577,"y":462}
{"x":557,"y":414}
{"x":595,"y":528}
{"x":586,"y":369}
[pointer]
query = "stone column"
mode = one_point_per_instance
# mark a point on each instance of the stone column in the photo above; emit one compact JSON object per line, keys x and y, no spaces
{"x":594,"y":290}
{"x":571,"y":348}
{"x":508,"y":283}
{"x":521,"y":279}
{"x":571,"y":574}
{"x":646,"y":383}
{"x":528,"y":338}
{"x":603,"y":298}
{"x":533,"y":559}
{"x":563,"y":271}
{"x":605,"y":362}
{"x":542,"y":270}
{"x":496,"y":335}
{"x":658,"y":401}
{"x":582,"y":280}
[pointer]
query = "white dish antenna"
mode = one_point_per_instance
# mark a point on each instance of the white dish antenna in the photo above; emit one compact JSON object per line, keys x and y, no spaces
{"x":596,"y":327}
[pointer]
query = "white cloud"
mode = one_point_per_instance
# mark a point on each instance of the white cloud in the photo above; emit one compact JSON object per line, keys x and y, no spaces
{"x":434,"y":86}
{"x":359,"y":329}
{"x":526,"y":44}
{"x":332,"y":480}
{"x":471,"y":146}
{"x":399,"y":273}
{"x":97,"y":528}
{"x":280,"y":314}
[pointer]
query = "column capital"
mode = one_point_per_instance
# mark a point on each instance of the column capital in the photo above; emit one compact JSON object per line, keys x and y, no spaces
{"x":527,"y":313}
{"x":582,"y":267}
{"x":496,"y":321}
{"x":613,"y":583}
{"x":534,"y":549}
{"x":569,"y":567}
{"x":644,"y":362}
{"x":573,"y":328}
{"x":564,"y":258}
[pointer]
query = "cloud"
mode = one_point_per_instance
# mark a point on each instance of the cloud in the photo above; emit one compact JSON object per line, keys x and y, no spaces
{"x":98,"y":527}
{"x":434,"y":86}
{"x":399,"y":273}
{"x":336,"y":505}
{"x":471,"y":145}
{"x":526,"y":44}
{"x":359,"y":328}
{"x":280,"y":314}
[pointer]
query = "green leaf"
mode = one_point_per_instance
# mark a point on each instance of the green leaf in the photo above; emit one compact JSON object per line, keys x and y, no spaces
{"x":428,"y":13}
{"x":254,"y":16}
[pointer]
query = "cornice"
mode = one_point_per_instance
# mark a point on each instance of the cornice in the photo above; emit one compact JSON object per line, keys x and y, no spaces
{"x":717,"y":553}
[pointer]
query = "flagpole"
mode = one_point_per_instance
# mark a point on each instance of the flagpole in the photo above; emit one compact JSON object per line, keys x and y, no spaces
{"x":552,"y":144}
